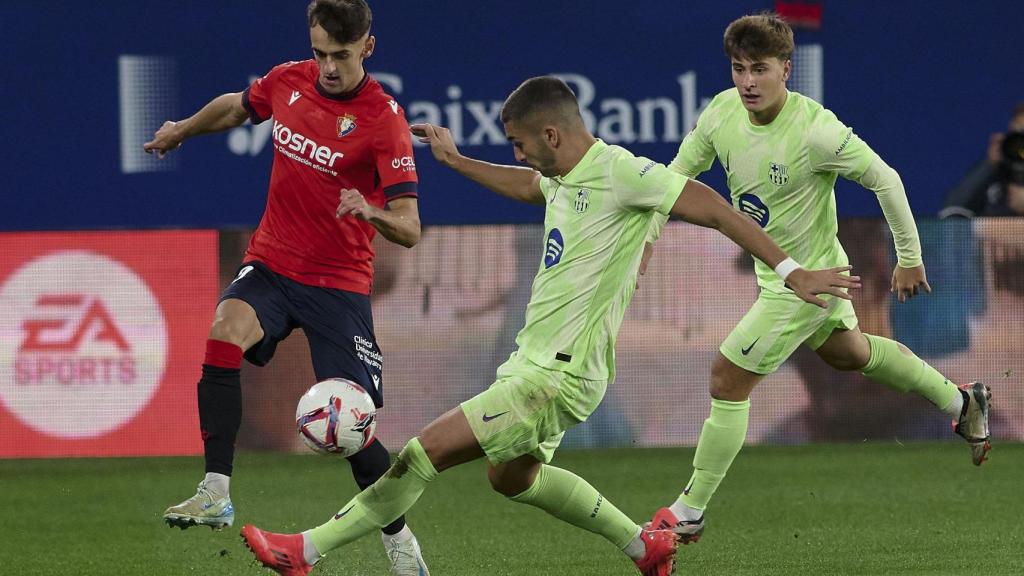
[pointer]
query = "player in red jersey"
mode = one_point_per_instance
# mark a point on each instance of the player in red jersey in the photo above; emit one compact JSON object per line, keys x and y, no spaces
{"x":343,"y":171}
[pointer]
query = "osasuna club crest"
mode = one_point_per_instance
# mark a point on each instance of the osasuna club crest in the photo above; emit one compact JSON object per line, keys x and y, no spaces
{"x":346,"y":124}
{"x":778,"y":173}
{"x":582,"y":201}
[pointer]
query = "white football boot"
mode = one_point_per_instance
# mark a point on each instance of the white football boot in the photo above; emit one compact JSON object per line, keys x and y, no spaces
{"x":973,"y":421}
{"x":405,"y":556}
{"x":203,"y":509}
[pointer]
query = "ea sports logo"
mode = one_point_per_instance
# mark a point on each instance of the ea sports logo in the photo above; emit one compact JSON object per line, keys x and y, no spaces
{"x":87,"y":344}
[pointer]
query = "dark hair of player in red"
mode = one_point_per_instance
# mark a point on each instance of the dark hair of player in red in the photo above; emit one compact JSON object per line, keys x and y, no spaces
{"x":344,"y":20}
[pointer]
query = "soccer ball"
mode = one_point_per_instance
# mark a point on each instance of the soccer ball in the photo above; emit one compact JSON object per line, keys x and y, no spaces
{"x":336,"y":416}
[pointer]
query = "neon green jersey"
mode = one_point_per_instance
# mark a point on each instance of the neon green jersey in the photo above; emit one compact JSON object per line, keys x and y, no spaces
{"x":595,"y":224}
{"x":782,"y":174}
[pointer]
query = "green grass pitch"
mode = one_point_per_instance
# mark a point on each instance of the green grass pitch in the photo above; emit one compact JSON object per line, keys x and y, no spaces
{"x":865,"y":509}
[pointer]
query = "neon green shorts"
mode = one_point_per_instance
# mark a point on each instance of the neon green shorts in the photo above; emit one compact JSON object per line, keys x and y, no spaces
{"x":777,"y":324}
{"x":528,"y":409}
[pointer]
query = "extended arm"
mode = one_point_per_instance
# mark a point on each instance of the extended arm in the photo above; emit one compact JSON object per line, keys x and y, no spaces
{"x":909,"y":275}
{"x":222,"y":113}
{"x":516,"y":182}
{"x":701,"y":205}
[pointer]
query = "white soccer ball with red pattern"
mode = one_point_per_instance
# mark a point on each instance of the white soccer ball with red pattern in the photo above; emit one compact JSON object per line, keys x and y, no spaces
{"x":336,"y":416}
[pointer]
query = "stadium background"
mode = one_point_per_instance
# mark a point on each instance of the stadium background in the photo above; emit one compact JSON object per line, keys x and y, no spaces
{"x":111,"y":262}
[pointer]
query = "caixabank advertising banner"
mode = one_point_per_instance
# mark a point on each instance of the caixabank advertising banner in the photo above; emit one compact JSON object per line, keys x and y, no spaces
{"x":101,"y":340}
{"x":862,"y":60}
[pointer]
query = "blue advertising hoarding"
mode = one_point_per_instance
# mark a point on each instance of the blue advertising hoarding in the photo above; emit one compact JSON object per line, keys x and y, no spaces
{"x":85,"y":84}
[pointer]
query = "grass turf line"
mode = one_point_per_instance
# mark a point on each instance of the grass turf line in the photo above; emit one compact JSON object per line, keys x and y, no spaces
{"x":864,"y":509}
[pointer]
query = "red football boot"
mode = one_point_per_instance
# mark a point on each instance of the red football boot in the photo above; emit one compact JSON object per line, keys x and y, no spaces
{"x":661,"y":548}
{"x":282,"y":553}
{"x":687,"y":530}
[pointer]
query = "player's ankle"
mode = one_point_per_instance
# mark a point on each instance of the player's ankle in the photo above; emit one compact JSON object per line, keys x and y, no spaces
{"x":218,"y":484}
{"x":403,"y":535}
{"x":958,"y":404}
{"x":309,"y":551}
{"x":684,"y":512}
{"x":636,"y":549}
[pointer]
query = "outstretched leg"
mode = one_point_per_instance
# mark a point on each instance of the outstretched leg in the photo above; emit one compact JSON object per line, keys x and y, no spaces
{"x":444,"y":443}
{"x":892,"y":364}
{"x":573,"y":500}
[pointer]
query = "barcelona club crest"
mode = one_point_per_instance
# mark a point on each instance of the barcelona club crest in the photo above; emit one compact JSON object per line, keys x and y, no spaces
{"x":582,"y":201}
{"x":778,"y":173}
{"x":346,"y":124}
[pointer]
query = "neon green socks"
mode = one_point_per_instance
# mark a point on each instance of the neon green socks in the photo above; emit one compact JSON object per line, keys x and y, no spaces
{"x":571,"y":499}
{"x":898,"y":368}
{"x":720,"y":441}
{"x":380,"y":504}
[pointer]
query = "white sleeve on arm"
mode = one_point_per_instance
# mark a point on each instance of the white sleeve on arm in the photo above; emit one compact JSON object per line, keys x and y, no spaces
{"x":886,"y":184}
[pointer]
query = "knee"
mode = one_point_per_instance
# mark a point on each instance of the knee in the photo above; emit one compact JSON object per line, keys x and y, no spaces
{"x":724,"y":386}
{"x":719,"y":384}
{"x":228,"y":328}
{"x":507,"y":483}
{"x":844,"y":364}
{"x":434,"y":447}
{"x":850,"y":358}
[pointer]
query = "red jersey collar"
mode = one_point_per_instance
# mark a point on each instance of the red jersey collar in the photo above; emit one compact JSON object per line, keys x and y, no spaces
{"x":344,"y":95}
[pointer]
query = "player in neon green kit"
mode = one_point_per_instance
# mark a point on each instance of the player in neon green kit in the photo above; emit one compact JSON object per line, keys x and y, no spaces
{"x":782,"y":153}
{"x":600,"y":202}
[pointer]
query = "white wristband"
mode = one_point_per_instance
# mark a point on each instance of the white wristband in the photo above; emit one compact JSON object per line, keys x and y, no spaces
{"x":786,"y":267}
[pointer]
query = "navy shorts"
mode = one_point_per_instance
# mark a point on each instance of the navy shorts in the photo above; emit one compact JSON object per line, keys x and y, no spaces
{"x":337,"y":323}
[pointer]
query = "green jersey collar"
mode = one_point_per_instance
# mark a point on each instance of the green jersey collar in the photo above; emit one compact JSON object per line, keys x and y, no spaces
{"x":595,"y":149}
{"x":780,"y":120}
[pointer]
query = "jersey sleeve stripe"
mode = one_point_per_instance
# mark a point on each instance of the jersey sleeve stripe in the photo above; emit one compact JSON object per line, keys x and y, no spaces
{"x":253,"y":116}
{"x":401,"y":190}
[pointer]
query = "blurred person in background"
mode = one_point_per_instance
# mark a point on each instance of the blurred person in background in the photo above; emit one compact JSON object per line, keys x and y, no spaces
{"x":995,"y":186}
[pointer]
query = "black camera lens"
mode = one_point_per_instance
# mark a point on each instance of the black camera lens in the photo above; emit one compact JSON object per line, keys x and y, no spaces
{"x":1013,"y":157}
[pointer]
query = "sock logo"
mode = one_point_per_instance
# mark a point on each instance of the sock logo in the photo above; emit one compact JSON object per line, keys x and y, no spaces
{"x":597,"y":506}
{"x":686,"y":491}
{"x":341,"y":514}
